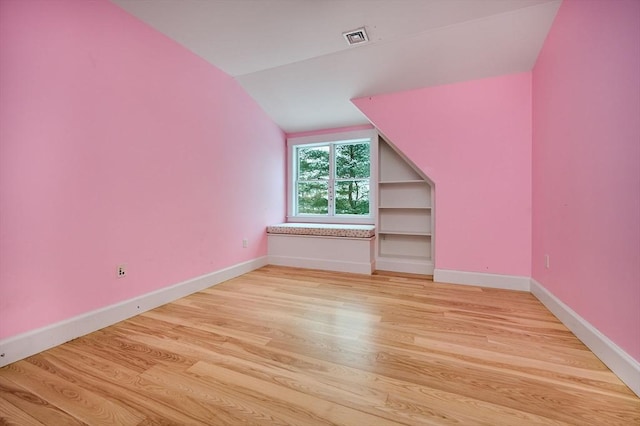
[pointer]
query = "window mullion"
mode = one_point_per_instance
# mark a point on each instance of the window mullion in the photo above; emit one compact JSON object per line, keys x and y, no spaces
{"x":332,"y":180}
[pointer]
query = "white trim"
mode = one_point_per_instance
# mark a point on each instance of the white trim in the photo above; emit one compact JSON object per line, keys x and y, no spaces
{"x":341,"y":219}
{"x":404,"y":265}
{"x":32,"y":342}
{"x":620,"y":362}
{"x":323,"y":264}
{"x":342,"y":254}
{"x":506,"y":282}
{"x":347,"y":136}
{"x":330,"y":138}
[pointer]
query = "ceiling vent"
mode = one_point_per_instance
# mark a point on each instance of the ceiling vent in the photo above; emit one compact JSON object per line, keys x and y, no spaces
{"x":357,"y":36}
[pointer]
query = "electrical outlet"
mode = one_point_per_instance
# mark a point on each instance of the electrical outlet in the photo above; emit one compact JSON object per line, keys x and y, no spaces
{"x":122,"y":271}
{"x":245,"y":243}
{"x":546,"y":261}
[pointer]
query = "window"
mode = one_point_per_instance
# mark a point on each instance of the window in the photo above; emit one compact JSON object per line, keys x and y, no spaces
{"x":330,"y":180}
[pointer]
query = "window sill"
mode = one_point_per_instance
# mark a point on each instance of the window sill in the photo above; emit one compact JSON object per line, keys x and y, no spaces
{"x":368,"y":220}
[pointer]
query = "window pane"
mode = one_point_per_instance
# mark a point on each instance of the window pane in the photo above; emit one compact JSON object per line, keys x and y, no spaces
{"x":352,"y":161}
{"x":313,"y":163}
{"x":313,"y":198}
{"x":352,"y":197}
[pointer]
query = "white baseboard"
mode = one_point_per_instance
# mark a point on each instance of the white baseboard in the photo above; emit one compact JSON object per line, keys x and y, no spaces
{"x":405,"y":266}
{"x":23,"y":345}
{"x":506,"y":282}
{"x":620,"y":362}
{"x":323,"y":264}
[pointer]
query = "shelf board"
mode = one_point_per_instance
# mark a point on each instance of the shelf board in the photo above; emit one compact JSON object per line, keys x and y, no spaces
{"x":418,"y":234}
{"x":384,"y":182}
{"x":406,"y":258}
{"x":404,"y":208}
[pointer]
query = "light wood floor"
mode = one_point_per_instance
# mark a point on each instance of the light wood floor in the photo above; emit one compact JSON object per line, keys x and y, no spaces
{"x":293,"y":346}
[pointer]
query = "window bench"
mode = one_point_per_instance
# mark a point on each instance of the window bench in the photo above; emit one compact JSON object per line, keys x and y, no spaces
{"x":332,"y":247}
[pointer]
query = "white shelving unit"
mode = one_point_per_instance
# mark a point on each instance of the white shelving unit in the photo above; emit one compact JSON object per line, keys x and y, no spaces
{"x":405,"y":215}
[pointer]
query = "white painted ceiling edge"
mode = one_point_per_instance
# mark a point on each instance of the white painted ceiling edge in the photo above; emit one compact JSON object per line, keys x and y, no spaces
{"x":291,"y":57}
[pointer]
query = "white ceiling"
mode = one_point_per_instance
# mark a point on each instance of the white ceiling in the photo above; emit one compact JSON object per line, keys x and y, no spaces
{"x":291,"y":57}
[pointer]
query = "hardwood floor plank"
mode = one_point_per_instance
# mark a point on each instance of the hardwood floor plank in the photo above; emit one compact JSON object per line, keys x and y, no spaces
{"x":35,"y":407}
{"x":109,"y":381}
{"x":324,"y":387}
{"x":12,"y":415}
{"x":224,"y":330}
{"x":364,"y":383}
{"x":220,"y":403}
{"x":521,"y":363}
{"x":301,"y":347}
{"x":442,"y":411}
{"x":515,"y":391}
{"x":315,"y":408}
{"x":78,"y":402}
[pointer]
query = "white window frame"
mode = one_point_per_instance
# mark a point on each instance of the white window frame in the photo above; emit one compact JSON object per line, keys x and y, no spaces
{"x":370,"y":136}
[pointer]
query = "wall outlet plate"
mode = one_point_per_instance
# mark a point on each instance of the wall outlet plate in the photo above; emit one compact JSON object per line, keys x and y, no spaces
{"x":121,"y":271}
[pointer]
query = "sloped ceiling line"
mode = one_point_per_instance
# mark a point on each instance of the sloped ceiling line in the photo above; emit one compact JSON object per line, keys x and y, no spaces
{"x":292,"y":59}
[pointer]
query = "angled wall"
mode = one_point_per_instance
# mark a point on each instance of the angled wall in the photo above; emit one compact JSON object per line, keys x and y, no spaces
{"x":118,"y":146}
{"x":473,"y":140}
{"x":586,"y":165}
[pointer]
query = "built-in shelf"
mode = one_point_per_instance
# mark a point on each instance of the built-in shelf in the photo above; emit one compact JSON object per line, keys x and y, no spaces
{"x":395,"y":182}
{"x":404,"y":208}
{"x":407,"y":258}
{"x":405,"y":195}
{"x":384,"y":232}
{"x":405,"y":215}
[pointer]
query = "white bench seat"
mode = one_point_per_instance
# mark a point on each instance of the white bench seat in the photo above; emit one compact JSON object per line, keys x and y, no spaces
{"x":333,"y":247}
{"x":323,"y":230}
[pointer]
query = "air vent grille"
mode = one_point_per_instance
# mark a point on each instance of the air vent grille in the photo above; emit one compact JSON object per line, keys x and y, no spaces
{"x":357,"y":36}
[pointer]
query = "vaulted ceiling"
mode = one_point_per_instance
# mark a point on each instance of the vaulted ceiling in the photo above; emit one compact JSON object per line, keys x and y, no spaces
{"x":291,"y":56}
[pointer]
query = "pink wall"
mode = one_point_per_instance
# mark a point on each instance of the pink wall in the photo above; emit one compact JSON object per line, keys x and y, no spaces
{"x":119,"y":146}
{"x":473,"y":139}
{"x":586,"y":165}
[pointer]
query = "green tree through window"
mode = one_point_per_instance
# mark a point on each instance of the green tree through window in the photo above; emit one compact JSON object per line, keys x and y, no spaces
{"x":313,"y":180}
{"x":332,"y":179}
{"x":352,"y":179}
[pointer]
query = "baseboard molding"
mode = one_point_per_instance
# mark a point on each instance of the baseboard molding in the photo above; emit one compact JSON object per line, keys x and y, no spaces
{"x":620,"y":362}
{"x":323,"y":264}
{"x":506,"y":282}
{"x":401,"y":265}
{"x":23,"y":345}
